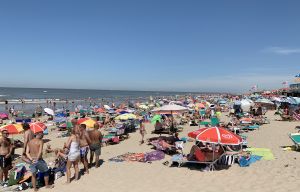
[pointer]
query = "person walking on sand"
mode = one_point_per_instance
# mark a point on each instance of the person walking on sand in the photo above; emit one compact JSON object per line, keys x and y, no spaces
{"x":34,"y":154}
{"x":6,"y":148}
{"x":85,"y":141}
{"x":142,"y":131}
{"x":73,"y":155}
{"x":95,"y":147}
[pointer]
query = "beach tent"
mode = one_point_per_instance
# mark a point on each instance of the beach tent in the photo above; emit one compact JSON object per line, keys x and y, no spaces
{"x":246,"y":104}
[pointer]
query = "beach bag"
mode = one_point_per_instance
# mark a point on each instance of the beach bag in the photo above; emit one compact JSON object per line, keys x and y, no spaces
{"x":41,"y":180}
{"x":116,"y":140}
{"x":16,"y":175}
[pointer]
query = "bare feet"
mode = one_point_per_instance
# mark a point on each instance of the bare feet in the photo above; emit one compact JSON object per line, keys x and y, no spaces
{"x":49,"y":187}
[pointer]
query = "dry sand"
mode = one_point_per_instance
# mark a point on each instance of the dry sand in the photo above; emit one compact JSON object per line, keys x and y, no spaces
{"x":281,"y":174}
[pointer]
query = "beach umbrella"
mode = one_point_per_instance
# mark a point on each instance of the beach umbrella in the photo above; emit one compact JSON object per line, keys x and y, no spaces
{"x":59,"y":110}
{"x":125,"y":117}
{"x":143,"y":107}
{"x":38,"y":127}
{"x":191,"y":105}
{"x":288,"y":100}
{"x":60,"y":119}
{"x":12,"y":128}
{"x":264,"y":101}
{"x":297,"y":99}
{"x":200,"y":105}
{"x":100,"y":110}
{"x":216,"y":135}
{"x":49,"y":111}
{"x":155,"y":119}
{"x":107,"y":107}
{"x":111,"y":111}
{"x":87,"y":121}
{"x":3,"y":116}
{"x":170,"y":109}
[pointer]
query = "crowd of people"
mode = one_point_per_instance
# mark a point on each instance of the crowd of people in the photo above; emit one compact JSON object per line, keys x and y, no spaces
{"x":79,"y":144}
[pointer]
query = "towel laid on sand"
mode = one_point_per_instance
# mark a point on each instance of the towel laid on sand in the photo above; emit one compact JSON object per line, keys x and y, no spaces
{"x":266,"y":154}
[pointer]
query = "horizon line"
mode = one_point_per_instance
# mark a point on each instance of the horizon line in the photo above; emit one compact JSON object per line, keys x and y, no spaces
{"x":208,"y":92}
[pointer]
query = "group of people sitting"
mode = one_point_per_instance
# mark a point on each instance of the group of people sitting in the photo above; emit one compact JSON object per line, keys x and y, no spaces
{"x":76,"y":149}
{"x":207,"y":152}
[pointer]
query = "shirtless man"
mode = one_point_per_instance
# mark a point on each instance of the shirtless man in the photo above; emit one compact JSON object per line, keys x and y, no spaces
{"x":85,"y":141}
{"x":28,"y":136}
{"x":34,"y":154}
{"x":95,"y":146}
{"x":6,"y":148}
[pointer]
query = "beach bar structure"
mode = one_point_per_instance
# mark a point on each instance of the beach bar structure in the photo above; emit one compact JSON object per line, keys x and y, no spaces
{"x":294,"y":90}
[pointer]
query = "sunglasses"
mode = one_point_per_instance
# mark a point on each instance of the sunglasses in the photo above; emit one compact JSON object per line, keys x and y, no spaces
{"x":5,"y":133}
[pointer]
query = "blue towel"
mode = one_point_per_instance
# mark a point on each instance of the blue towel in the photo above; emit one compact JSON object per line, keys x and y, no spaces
{"x":246,"y":162}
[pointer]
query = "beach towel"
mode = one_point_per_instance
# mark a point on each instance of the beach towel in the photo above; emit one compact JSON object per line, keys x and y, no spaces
{"x":266,"y":154}
{"x":246,"y":162}
{"x":296,"y":116}
{"x":154,"y":156}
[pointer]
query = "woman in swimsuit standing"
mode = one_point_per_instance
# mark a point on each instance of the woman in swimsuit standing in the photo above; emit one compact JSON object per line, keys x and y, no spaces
{"x":74,"y":155}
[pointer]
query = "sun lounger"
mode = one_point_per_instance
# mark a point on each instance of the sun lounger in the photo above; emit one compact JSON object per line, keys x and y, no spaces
{"x":181,"y":160}
{"x":295,"y":137}
{"x":296,"y":116}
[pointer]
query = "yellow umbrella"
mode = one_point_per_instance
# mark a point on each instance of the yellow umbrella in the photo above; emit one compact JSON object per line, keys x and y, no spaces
{"x":126,"y":117}
{"x":87,"y":121}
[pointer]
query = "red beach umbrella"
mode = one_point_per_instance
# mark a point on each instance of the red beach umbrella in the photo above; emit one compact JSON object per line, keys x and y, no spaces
{"x":216,"y":135}
{"x":38,"y":127}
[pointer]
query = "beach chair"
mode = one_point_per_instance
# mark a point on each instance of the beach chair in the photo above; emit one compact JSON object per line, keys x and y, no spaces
{"x":295,"y":137}
{"x":296,"y":116}
{"x":180,"y":160}
{"x":214,"y":121}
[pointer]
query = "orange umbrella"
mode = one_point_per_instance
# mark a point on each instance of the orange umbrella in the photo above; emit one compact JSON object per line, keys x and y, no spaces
{"x":12,"y":128}
{"x":38,"y":127}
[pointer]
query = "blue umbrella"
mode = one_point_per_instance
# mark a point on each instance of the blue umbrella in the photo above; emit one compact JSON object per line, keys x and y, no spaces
{"x":60,"y":119}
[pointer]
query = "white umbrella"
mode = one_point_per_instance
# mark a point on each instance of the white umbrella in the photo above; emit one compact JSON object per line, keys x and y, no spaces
{"x":170,"y":109}
{"x":49,"y":111}
{"x":107,"y":107}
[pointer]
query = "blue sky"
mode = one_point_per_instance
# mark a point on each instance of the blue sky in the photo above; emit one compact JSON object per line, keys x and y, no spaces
{"x":170,"y":45}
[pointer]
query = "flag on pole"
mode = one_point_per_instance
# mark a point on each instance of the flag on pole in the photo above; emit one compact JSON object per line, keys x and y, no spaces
{"x":254,"y":87}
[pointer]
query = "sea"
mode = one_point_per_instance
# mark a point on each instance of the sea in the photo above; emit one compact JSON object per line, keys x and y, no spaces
{"x":26,"y":99}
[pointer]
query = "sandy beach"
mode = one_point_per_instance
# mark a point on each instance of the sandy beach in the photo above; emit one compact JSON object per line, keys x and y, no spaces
{"x":280,"y":174}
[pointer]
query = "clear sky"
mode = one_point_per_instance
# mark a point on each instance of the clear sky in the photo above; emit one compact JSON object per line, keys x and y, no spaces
{"x":172,"y":45}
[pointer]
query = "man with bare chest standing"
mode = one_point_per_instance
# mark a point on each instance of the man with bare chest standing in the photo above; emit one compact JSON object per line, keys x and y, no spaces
{"x":34,"y":152}
{"x":6,"y":148}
